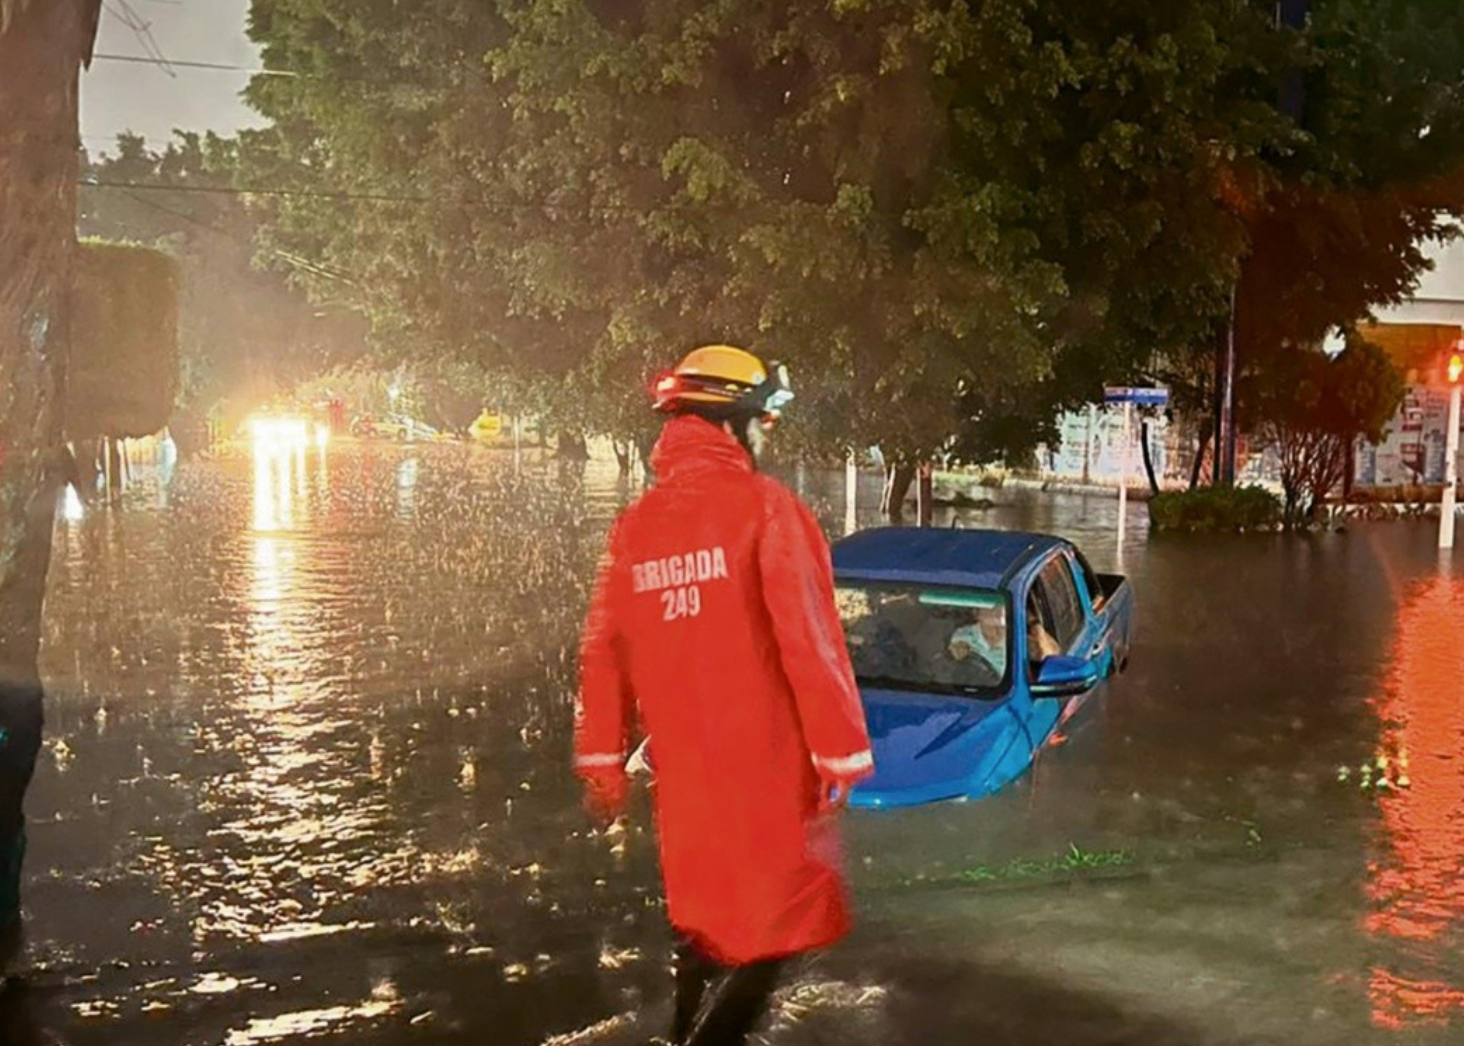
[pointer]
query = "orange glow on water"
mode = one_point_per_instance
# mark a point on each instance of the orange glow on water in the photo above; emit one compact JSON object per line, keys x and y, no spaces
{"x":1415,"y":884}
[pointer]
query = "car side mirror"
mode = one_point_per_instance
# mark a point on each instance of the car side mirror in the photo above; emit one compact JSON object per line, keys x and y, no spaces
{"x":1063,"y":676}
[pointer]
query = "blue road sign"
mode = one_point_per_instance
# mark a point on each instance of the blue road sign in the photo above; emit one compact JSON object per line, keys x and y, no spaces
{"x":1143,"y":397}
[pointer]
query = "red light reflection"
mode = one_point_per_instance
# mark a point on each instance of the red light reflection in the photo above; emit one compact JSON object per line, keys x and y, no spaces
{"x":1415,"y":882}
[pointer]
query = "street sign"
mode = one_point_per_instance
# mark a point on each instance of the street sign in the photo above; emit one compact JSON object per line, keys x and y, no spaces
{"x":1142,"y":397}
{"x":1129,"y":397}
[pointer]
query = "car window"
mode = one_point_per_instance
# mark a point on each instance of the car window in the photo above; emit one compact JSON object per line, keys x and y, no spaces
{"x":920,"y":638}
{"x":1040,"y":641}
{"x":1090,"y":580}
{"x":1063,"y":602}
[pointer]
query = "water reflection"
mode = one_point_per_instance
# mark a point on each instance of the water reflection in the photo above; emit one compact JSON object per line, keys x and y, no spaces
{"x":407,"y":488}
{"x":274,"y":493}
{"x":1415,"y":882}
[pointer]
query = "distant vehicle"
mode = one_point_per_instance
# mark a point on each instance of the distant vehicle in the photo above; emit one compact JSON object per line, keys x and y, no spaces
{"x":376,"y":426}
{"x":492,"y":429}
{"x":489,"y":427}
{"x":970,"y":647}
{"x":398,"y":428}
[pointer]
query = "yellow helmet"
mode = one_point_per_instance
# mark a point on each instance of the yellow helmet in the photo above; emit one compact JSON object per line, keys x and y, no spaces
{"x":723,"y":380}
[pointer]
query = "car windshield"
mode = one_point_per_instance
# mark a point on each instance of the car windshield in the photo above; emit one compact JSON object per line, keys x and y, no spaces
{"x":908,"y":637}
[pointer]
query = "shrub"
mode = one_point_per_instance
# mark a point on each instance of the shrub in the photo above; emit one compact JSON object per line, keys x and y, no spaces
{"x":1216,"y":510}
{"x":123,"y":372}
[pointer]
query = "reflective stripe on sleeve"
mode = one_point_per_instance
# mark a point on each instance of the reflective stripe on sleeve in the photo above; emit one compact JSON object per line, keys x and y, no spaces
{"x":599,"y":759}
{"x":845,"y":765}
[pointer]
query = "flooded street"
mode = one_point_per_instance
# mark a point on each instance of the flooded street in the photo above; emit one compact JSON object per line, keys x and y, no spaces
{"x":307,"y":778}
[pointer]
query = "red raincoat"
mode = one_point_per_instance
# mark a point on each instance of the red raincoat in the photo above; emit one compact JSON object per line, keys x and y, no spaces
{"x":715,"y":615}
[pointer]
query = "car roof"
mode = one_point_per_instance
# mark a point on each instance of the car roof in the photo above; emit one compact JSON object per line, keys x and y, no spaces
{"x":927,"y":556}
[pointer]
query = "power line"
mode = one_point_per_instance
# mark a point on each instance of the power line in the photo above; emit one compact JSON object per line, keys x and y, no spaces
{"x":294,"y":260}
{"x":399,"y":78}
{"x":222,"y":190}
{"x":141,"y":28}
{"x":542,"y":206}
{"x":170,"y":63}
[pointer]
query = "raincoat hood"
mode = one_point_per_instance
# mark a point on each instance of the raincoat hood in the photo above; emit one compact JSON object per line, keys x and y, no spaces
{"x":689,"y":444}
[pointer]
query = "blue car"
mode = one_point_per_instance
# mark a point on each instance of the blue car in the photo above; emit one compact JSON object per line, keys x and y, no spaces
{"x":970,"y":647}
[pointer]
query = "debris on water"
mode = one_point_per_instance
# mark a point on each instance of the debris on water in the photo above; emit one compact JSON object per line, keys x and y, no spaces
{"x":598,"y":1032}
{"x":303,"y":1023}
{"x":93,"y":1008}
{"x":612,"y":958}
{"x":215,"y":984}
{"x":796,"y":1003}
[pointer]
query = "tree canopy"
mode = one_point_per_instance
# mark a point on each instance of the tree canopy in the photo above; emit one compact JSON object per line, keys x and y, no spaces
{"x":953,"y":219}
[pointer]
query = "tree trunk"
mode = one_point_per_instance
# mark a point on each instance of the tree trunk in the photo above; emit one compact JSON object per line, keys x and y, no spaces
{"x":88,"y":466}
{"x":624,"y":453}
{"x":925,"y":495}
{"x":646,"y":444}
{"x":42,"y":45}
{"x":572,"y":447}
{"x":1226,"y":433}
{"x":1199,"y":463}
{"x":1148,"y":457}
{"x":115,"y":480}
{"x":1292,"y":511}
{"x":898,"y":478}
{"x":1349,"y":473}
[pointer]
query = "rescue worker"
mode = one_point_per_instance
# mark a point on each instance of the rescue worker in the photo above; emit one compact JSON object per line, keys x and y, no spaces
{"x":714,"y":617}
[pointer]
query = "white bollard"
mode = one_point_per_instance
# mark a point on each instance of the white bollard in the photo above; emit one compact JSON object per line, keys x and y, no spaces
{"x":1451,"y":472}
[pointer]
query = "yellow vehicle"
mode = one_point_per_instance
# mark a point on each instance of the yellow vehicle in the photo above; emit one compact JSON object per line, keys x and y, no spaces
{"x":489,"y":427}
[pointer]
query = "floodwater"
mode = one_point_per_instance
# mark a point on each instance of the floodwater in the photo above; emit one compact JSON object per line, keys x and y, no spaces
{"x":307,"y":780}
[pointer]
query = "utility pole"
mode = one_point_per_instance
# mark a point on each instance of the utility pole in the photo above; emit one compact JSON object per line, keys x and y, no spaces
{"x":1451,"y":449}
{"x":1291,"y":101}
{"x":1225,"y":434}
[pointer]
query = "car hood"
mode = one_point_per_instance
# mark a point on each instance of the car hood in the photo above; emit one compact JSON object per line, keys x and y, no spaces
{"x":929,"y":747}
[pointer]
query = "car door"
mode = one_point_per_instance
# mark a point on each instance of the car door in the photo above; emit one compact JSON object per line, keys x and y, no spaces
{"x":1062,"y":607}
{"x":1106,"y":645}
